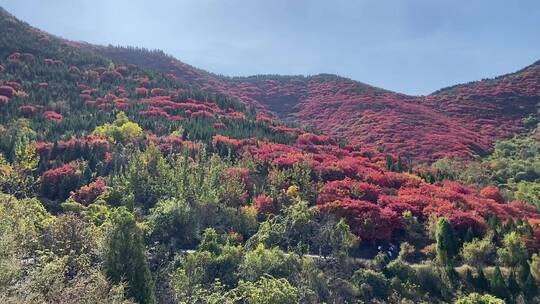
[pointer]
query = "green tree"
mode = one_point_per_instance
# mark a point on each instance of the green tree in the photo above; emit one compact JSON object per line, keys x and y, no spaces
{"x":529,"y":287}
{"x":173,"y":221}
{"x":497,"y":284}
{"x":535,"y":266}
{"x":372,"y":284}
{"x":478,"y":253}
{"x":335,"y":238}
{"x":513,"y":251}
{"x":269,"y":290}
{"x":149,"y":177}
{"x":475,"y":298}
{"x":125,"y":256}
{"x":122,"y":130}
{"x":263,"y":261}
{"x":18,"y":178}
{"x":21,"y":226}
{"x":513,"y":286}
{"x":482,"y":282}
{"x":446,"y":244}
{"x":214,"y":260}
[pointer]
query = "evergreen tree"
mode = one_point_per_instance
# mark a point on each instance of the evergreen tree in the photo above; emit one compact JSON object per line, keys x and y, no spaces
{"x":470,"y":282}
{"x":530,"y":289}
{"x":523,"y":271}
{"x":125,"y":258}
{"x":469,"y":235}
{"x":513,"y":251}
{"x":497,"y":285}
{"x":482,"y":284}
{"x":451,"y":275}
{"x":512,"y":284}
{"x":446,"y":244}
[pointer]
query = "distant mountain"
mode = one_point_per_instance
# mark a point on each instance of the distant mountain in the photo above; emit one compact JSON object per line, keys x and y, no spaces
{"x":462,"y":120}
{"x":459,"y":121}
{"x":130,"y":152}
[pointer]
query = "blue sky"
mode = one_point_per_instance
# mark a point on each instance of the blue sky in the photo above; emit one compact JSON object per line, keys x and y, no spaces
{"x":409,"y":46}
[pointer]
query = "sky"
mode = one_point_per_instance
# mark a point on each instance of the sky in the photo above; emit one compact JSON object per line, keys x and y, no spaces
{"x":408,"y":46}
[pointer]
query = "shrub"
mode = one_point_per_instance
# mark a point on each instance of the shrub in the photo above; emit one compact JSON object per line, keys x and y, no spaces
{"x":478,"y":253}
{"x":125,"y":257}
{"x":475,"y":298}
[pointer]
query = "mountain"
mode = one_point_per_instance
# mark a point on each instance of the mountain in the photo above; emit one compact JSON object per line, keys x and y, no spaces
{"x":461,"y":121}
{"x":128,"y":175}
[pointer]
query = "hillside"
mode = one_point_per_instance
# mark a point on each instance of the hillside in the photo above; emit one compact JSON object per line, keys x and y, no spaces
{"x":124,"y":179}
{"x":460,"y":122}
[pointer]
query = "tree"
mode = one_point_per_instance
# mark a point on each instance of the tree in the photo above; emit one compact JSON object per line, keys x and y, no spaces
{"x":122,"y":130}
{"x":269,"y":290}
{"x":523,"y":271}
{"x":535,"y":266}
{"x":512,"y":284}
{"x":214,"y":260}
{"x":482,"y":282}
{"x":446,"y":244}
{"x":372,"y":284}
{"x":529,"y":287}
{"x":470,"y":282}
{"x":497,"y":284}
{"x":406,"y":251}
{"x":18,"y":178}
{"x":173,"y":221}
{"x":529,"y":192}
{"x":478,"y":253}
{"x":475,"y":298}
{"x":149,"y":177}
{"x":262,"y":261}
{"x":125,"y":258}
{"x":513,"y":251}
{"x":335,"y":238}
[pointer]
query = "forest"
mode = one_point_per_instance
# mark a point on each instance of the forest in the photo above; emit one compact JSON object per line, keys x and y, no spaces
{"x":122,"y":183}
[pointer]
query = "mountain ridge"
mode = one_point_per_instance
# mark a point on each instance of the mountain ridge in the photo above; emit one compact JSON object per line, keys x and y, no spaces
{"x":458,"y":121}
{"x":454,"y":129}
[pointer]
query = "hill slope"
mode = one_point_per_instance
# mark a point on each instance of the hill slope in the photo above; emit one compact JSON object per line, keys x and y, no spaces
{"x":123,"y":182}
{"x":463,"y":121}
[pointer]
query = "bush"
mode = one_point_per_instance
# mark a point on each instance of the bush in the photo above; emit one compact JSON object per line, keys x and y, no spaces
{"x":174,"y":222}
{"x":478,"y":253}
{"x":274,"y":262}
{"x":475,"y":298}
{"x":373,"y":284}
{"x":268,"y":290}
{"x":125,"y":259}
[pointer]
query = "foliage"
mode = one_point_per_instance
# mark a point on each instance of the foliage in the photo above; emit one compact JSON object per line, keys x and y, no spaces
{"x":475,"y":298}
{"x":268,"y":290}
{"x":498,"y":285}
{"x":478,"y":253}
{"x":125,"y":257}
{"x":122,"y":130}
{"x":220,"y":201}
{"x":513,"y":251}
{"x":19,"y":178}
{"x":263,"y":261}
{"x":446,"y":244}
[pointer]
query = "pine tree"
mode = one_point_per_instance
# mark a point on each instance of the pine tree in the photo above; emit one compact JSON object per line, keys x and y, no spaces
{"x":523,"y":271}
{"x":446,"y":244}
{"x":470,"y":282}
{"x":512,"y":284}
{"x":482,"y":284}
{"x":125,"y":258}
{"x":510,"y":226}
{"x":498,"y":286}
{"x":529,"y":287}
{"x":469,"y":235}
